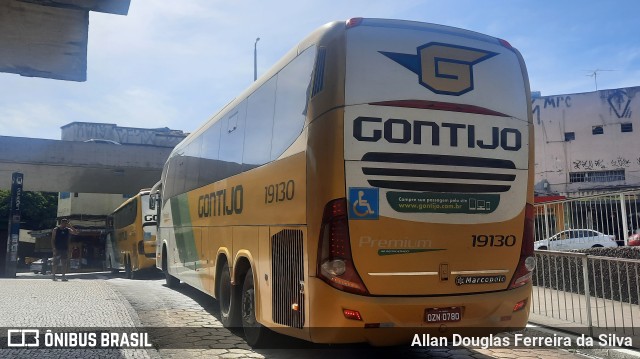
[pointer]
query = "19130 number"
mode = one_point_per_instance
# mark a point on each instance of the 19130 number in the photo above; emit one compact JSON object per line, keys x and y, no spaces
{"x":493,"y":240}
{"x":279,"y":192}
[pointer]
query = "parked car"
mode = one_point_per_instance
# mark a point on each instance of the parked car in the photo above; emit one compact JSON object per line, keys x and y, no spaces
{"x":576,"y":239}
{"x":36,"y":266}
{"x":634,"y":239}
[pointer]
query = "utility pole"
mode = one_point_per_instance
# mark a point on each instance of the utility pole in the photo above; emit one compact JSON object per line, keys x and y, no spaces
{"x":255,"y":59}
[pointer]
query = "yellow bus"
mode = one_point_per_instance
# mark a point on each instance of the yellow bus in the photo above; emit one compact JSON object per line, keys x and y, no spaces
{"x":130,"y":241}
{"x":377,"y":181}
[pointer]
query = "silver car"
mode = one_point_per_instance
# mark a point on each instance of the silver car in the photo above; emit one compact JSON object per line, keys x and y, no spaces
{"x":576,"y":239}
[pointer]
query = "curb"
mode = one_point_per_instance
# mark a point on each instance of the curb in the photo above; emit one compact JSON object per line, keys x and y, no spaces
{"x":617,"y":353}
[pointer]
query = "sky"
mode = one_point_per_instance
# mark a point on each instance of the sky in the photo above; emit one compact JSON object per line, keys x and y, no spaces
{"x":176,"y":63}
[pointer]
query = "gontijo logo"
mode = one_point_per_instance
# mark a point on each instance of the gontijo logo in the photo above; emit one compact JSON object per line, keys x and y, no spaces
{"x":443,"y":68}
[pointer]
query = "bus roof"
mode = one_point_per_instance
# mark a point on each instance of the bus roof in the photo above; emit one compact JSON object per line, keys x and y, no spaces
{"x":138,"y":195}
{"x":315,"y":37}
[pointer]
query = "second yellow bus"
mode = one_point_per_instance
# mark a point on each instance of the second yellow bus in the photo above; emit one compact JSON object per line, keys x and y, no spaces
{"x":130,"y":241}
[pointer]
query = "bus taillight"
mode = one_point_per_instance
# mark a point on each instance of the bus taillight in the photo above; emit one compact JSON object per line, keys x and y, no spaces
{"x":335,"y":264}
{"x":527,"y":261}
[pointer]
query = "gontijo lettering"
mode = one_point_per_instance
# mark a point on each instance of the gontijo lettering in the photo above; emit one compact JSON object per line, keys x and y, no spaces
{"x":373,"y":129}
{"x":221,"y":203}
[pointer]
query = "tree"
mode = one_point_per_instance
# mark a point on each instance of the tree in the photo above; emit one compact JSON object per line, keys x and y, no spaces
{"x":38,"y":209}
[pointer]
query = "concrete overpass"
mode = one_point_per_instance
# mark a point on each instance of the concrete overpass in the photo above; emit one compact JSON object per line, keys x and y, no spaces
{"x":48,"y":38}
{"x":84,"y":167}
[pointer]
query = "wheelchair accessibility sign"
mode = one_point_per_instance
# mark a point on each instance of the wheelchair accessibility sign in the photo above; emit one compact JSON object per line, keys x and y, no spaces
{"x":363,"y":203}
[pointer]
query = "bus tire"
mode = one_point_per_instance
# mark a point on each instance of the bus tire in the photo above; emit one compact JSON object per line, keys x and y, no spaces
{"x":228,"y":299}
{"x":127,"y":268}
{"x":255,"y":334}
{"x":170,"y":280}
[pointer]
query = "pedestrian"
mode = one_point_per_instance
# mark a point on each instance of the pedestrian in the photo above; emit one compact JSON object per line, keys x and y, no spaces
{"x":60,"y":244}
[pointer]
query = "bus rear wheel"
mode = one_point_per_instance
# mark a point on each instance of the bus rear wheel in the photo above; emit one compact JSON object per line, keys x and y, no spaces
{"x":255,"y":333}
{"x":227,"y":299}
{"x":171,"y":281}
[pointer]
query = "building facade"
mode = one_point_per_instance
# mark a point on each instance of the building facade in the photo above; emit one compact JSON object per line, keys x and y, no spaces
{"x":587,"y":143}
{"x":88,"y":211}
{"x":159,"y":137}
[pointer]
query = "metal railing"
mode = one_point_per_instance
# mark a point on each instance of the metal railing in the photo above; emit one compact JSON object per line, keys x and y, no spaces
{"x":597,"y":294}
{"x":616,"y":214}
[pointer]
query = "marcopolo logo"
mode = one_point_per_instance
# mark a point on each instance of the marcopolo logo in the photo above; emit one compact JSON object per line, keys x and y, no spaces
{"x":443,"y":68}
{"x":487,"y":279}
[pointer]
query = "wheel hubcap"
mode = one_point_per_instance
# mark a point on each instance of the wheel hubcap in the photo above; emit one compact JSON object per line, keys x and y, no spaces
{"x":225,"y":298}
{"x":248,"y":315}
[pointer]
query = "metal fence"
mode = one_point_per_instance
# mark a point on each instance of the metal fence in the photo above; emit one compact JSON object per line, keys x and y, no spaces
{"x":616,"y":214}
{"x":590,"y":294}
{"x":596,"y":294}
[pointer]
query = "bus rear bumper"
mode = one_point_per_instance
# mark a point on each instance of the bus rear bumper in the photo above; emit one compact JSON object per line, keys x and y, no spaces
{"x":396,"y":320}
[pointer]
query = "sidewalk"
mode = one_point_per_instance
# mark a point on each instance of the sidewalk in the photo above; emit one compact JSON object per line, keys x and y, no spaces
{"x":43,"y":303}
{"x":85,"y":301}
{"x":568,"y":312}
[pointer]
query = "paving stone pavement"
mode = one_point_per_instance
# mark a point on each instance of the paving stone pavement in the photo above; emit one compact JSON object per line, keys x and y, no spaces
{"x":39,"y":302}
{"x":185,"y":307}
{"x":103,"y":300}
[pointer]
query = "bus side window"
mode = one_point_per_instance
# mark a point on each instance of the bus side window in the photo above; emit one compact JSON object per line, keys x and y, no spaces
{"x":257,"y":139}
{"x":291,"y":101}
{"x":209,"y":161}
{"x":232,"y":141}
{"x":192,"y":155}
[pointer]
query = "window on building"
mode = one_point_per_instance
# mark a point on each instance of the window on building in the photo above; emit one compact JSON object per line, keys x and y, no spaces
{"x":597,"y":130}
{"x":569,"y":136}
{"x":597,"y":176}
{"x":626,"y":127}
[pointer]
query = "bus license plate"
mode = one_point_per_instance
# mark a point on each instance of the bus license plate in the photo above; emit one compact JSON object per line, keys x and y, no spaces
{"x":443,"y":315}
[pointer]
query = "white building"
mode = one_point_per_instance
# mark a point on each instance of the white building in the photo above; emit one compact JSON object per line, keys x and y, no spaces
{"x":88,"y":211}
{"x":587,"y":143}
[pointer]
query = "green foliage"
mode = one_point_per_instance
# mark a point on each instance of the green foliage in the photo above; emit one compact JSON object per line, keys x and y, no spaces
{"x":39,"y":209}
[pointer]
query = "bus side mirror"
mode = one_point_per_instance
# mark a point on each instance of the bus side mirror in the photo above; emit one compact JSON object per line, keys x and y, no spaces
{"x":152,"y":201}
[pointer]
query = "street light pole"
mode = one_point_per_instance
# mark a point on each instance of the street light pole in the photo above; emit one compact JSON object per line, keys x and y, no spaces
{"x":255,"y":59}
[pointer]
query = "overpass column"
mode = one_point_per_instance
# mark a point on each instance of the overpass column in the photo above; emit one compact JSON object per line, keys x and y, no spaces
{"x":11,"y":261}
